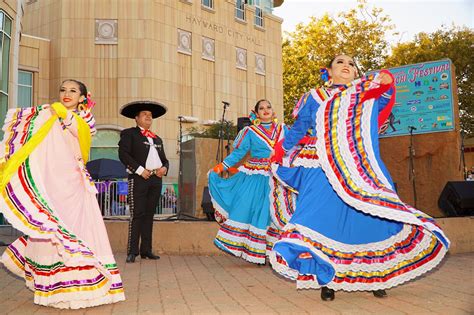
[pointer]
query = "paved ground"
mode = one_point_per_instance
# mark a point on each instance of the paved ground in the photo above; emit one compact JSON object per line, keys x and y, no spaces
{"x":227,"y":285}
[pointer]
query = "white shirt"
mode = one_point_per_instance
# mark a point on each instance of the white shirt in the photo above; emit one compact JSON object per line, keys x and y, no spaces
{"x":153,"y":160}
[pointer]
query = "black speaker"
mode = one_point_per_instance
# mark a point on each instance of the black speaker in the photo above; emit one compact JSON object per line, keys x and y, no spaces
{"x":206,"y":204}
{"x":457,"y":199}
{"x":242,"y":122}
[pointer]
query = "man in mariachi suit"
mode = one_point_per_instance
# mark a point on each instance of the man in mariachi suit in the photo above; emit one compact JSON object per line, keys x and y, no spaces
{"x":142,"y":153}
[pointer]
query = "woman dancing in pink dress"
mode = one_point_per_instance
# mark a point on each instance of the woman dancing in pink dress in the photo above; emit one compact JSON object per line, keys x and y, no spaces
{"x":46,"y":193}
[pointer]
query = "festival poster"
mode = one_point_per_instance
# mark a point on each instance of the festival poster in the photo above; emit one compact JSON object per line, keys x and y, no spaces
{"x":424,"y":101}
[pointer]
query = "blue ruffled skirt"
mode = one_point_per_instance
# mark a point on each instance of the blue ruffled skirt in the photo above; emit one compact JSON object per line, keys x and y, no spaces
{"x":329,"y":243}
{"x":242,"y":204}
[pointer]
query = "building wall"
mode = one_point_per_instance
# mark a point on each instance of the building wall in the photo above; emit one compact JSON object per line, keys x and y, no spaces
{"x":144,"y":63}
{"x":13,"y":9}
{"x":436,"y":162}
{"x":34,"y":57}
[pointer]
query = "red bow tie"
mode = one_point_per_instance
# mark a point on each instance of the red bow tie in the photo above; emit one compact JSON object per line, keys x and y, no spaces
{"x":148,"y":133}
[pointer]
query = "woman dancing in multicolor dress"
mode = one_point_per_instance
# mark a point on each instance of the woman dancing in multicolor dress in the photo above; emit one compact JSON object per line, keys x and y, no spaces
{"x":251,"y":205}
{"x":46,"y":193}
{"x":350,"y":230}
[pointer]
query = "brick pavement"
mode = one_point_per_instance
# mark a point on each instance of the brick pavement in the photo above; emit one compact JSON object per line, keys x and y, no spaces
{"x":227,"y":285}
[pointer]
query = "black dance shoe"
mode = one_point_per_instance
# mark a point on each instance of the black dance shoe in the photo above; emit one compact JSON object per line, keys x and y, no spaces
{"x":149,"y":256}
{"x":379,"y":293}
{"x":327,"y":294}
{"x":131,"y":258}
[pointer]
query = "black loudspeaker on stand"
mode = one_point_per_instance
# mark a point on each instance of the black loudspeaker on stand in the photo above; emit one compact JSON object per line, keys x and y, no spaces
{"x":457,"y":199}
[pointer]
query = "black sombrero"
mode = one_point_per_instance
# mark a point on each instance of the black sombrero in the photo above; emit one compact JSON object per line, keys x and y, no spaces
{"x":132,"y":109}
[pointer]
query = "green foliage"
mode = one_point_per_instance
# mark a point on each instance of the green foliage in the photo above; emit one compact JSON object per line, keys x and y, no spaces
{"x":214,"y":130}
{"x":359,"y":33}
{"x":455,"y":43}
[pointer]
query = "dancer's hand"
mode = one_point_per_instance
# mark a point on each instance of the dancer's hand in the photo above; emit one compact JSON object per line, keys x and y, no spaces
{"x":218,"y":168}
{"x":278,"y":153}
{"x":146,"y":174}
{"x":161,"y":172}
{"x":233,"y":170}
{"x":385,"y":78}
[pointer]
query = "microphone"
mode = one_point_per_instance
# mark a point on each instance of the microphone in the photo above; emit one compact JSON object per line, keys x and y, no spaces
{"x":226,"y":104}
{"x":411,"y":128}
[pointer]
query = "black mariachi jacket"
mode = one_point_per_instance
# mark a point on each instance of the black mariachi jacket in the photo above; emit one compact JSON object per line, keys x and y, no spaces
{"x":134,"y":147}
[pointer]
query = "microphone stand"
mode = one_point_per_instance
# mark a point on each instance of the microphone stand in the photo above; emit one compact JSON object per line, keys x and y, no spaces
{"x":462,"y":161}
{"x":411,"y":167}
{"x":227,"y":134}
{"x":220,"y":145}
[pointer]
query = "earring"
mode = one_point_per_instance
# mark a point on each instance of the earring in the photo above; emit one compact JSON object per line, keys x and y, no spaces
{"x":256,"y":121}
{"x":325,"y":77}
{"x":275,"y":120}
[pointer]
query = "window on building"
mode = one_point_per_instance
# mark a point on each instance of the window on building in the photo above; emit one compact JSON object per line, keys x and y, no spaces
{"x":3,"y":111}
{"x":258,"y":16}
{"x":240,"y":9}
{"x":266,"y":5}
{"x":5,"y":38}
{"x":105,"y":144}
{"x":25,"y":88}
{"x":208,"y":3}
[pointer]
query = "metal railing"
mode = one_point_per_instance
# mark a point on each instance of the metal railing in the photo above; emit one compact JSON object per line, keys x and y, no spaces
{"x":7,"y":232}
{"x":112,"y":198}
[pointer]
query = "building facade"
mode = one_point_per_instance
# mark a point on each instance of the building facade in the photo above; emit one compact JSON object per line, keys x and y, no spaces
{"x":190,"y":55}
{"x":10,"y":17}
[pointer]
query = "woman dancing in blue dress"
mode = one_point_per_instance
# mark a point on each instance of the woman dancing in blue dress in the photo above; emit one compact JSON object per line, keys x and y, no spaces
{"x":251,"y":206}
{"x":350,"y":230}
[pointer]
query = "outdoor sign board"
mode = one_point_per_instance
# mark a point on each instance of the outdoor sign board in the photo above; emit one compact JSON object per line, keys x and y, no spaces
{"x":424,"y":99}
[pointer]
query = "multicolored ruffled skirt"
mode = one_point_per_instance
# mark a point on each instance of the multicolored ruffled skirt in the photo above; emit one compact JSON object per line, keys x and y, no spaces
{"x":252,"y":208}
{"x":65,"y":255}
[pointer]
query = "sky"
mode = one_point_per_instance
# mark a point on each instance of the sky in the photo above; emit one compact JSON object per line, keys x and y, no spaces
{"x":409,"y":16}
